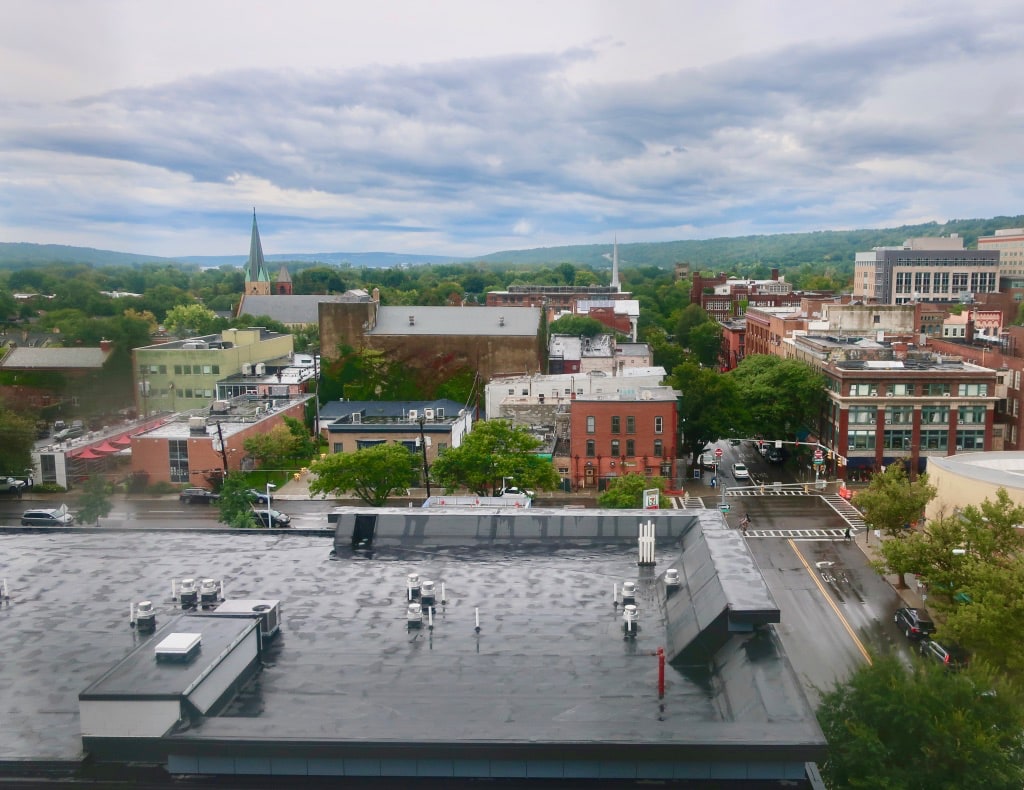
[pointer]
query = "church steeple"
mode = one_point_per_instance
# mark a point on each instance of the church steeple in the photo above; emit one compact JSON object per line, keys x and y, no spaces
{"x":257,"y":278}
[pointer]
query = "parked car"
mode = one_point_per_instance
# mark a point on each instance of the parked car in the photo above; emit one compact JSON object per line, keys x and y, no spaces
{"x":707,"y":459}
{"x":951,"y":656}
{"x":47,"y":517}
{"x":774,"y":455}
{"x":261,"y":497}
{"x":200,"y":496}
{"x":11,"y":485}
{"x":914,"y":623}
{"x":740,"y":471}
{"x":277,"y":518}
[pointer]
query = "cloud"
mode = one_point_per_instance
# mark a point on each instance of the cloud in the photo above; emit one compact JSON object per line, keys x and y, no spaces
{"x":474,"y":154}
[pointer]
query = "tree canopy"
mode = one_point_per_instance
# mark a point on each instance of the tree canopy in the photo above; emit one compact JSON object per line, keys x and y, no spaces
{"x":778,"y":396}
{"x":709,"y":406}
{"x":627,"y":492}
{"x":373,"y":474}
{"x":899,"y":728}
{"x":492,"y":452}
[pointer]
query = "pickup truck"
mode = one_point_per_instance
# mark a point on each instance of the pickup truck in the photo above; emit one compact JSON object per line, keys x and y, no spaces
{"x":11,"y":485}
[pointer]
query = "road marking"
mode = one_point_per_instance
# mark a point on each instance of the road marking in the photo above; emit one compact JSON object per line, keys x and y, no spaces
{"x":849,"y":629}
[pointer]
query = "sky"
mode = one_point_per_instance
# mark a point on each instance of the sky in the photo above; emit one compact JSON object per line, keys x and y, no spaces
{"x":463,"y":127}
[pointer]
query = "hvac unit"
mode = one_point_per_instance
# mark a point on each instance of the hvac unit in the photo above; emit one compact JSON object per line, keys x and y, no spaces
{"x":261,"y":369}
{"x":246,"y":369}
{"x":413,"y":415}
{"x":428,"y":414}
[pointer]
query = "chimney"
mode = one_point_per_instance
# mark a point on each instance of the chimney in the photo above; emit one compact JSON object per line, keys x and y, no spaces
{"x":775,"y":274}
{"x":969,"y":331}
{"x":105,"y":346}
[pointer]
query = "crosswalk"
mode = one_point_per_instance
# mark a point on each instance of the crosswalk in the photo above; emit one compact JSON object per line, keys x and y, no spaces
{"x":798,"y":534}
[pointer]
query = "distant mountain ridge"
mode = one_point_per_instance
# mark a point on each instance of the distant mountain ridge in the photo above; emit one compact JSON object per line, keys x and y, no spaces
{"x":782,"y":250}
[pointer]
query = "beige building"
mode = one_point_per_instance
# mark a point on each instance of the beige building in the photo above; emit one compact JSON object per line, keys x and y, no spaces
{"x":928,"y":269}
{"x":963,"y":480}
{"x":183,"y":374}
{"x":1010,"y":244}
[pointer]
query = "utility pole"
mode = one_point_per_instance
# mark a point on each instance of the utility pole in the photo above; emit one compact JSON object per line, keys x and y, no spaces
{"x":423,"y":444}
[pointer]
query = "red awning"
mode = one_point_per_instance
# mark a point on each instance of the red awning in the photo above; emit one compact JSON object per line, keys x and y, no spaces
{"x":87,"y":455}
{"x":123,"y":440}
{"x":106,"y":447}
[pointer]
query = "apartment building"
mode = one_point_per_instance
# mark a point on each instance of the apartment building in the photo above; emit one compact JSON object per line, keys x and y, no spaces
{"x":932,"y":269}
{"x":613,"y":435}
{"x":1009,"y":242}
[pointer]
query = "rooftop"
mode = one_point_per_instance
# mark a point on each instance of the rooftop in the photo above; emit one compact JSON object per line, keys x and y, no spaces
{"x":548,"y":679}
{"x":54,"y":358}
{"x":418,"y":320}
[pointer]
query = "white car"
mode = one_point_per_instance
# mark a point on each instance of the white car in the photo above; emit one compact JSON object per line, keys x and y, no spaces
{"x":740,"y":472}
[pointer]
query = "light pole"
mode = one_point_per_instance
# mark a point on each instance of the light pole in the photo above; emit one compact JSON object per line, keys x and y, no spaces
{"x":423,"y":444}
{"x":270,"y":521}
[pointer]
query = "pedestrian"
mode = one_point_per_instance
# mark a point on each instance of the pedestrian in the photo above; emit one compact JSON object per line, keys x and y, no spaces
{"x":744,"y":523}
{"x":847,"y":534}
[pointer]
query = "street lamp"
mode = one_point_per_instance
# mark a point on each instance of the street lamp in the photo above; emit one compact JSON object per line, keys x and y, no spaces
{"x":423,"y":444}
{"x":270,"y":521}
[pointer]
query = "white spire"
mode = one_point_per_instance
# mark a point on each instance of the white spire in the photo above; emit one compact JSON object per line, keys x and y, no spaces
{"x":615,"y":265}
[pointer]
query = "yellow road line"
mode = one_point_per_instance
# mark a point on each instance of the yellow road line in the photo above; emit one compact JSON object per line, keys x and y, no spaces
{"x":849,"y":629}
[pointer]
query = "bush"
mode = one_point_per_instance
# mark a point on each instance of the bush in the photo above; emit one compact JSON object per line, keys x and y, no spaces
{"x":48,"y":488}
{"x":162,"y":487}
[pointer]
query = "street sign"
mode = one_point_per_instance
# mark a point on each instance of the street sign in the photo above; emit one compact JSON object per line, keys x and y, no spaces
{"x":718,"y":452}
{"x":819,"y":461}
{"x":724,"y":508}
{"x":651,"y":498}
{"x":818,"y":454}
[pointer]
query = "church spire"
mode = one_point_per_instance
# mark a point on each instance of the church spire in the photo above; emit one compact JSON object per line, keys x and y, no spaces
{"x":257,"y":278}
{"x":615,"y":265}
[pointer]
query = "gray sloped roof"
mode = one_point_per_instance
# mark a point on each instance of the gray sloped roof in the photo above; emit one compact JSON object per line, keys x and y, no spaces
{"x":501,"y":321}
{"x":288,"y":309}
{"x":53,"y":358}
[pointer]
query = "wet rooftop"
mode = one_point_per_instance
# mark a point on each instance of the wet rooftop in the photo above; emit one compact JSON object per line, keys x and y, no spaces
{"x":549,"y":663}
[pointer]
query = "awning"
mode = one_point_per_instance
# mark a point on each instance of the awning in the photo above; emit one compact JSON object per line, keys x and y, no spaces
{"x":106,"y":447}
{"x":87,"y":455}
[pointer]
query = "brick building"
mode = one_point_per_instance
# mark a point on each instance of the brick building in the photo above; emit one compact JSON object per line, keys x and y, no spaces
{"x":613,"y":435}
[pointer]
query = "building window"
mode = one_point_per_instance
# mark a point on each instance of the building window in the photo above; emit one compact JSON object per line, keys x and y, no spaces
{"x":615,"y":447}
{"x":616,"y":424}
{"x":970,"y":440}
{"x":972,"y":389}
{"x":630,"y":424}
{"x":862,"y":415}
{"x":591,"y":424}
{"x":901,"y":389}
{"x":186,"y":369}
{"x":177,"y":451}
{"x":630,"y":448}
{"x":897,"y":439}
{"x":177,"y":370}
{"x":216,"y":370}
{"x":936,"y":389}
{"x":861,"y":390}
{"x":971,"y":414}
{"x":934,"y":415}
{"x":934,"y":440}
{"x":207,"y":370}
{"x":339,"y":447}
{"x":861,"y":440}
{"x":591,"y":448}
{"x":163,"y":370}
{"x":659,"y":425}
{"x":658,"y":451}
{"x":362,"y":444}
{"x":899,"y":415}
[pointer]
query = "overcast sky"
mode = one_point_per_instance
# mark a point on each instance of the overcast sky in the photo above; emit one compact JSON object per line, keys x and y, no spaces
{"x":461,"y":128}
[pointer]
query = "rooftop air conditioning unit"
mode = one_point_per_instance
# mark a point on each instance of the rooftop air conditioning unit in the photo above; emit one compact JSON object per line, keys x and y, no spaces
{"x":261,"y":369}
{"x":413,"y":415}
{"x":428,"y":414}
{"x":197,"y":425}
{"x":246,"y":369}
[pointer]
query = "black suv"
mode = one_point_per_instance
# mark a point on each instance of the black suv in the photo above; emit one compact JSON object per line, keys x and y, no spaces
{"x":950,"y":656}
{"x":914,"y":623}
{"x":201,"y":495}
{"x":277,"y":518}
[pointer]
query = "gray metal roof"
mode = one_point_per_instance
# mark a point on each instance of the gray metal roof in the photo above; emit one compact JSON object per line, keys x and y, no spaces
{"x":499,"y":321}
{"x":288,"y":308}
{"x":50,"y":358}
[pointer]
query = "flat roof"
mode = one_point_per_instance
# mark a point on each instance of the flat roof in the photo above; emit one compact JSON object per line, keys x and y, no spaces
{"x":549,"y":668}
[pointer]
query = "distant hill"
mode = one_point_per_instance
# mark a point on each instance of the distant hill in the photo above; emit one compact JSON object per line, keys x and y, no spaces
{"x":783,"y":250}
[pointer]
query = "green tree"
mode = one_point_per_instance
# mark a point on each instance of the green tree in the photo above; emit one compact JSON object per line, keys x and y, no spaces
{"x":278,"y":448}
{"x":493,"y":451}
{"x":691,"y":316}
{"x":235,"y":504}
{"x":189,"y":320}
{"x":17,"y":436}
{"x":628,"y":492}
{"x":778,"y":396}
{"x":708,"y":406}
{"x":373,"y":473}
{"x":94,"y":501}
{"x":578,"y":326}
{"x":900,"y":728}
{"x":706,"y":343}
{"x":892,"y":503}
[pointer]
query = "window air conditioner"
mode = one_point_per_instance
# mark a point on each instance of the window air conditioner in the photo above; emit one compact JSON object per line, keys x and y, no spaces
{"x":874,"y":392}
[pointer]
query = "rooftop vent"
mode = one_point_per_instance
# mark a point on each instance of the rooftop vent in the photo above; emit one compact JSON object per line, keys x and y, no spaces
{"x":501,"y":320}
{"x":180,"y":648}
{"x":197,"y":426}
{"x":412,"y":320}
